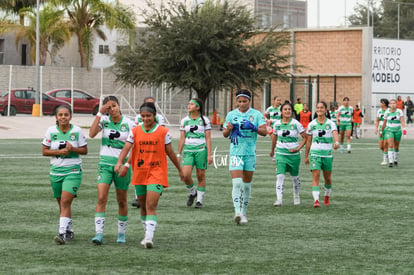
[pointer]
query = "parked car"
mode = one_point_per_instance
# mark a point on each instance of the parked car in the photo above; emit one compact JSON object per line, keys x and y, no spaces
{"x":83,"y":102}
{"x":22,"y":100}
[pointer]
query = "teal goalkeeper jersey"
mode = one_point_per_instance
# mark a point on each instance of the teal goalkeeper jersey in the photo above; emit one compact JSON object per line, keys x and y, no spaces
{"x":247,"y":143}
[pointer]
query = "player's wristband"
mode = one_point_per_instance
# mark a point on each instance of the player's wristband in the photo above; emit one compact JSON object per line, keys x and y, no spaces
{"x":178,"y":155}
{"x":337,"y":142}
{"x":126,"y":164}
{"x":99,"y":114}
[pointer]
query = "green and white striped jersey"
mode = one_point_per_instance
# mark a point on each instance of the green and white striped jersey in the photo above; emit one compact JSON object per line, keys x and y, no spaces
{"x":113,"y":138}
{"x":274,"y":113}
{"x":195,"y":132}
{"x":322,"y":137}
{"x":380,"y":116}
{"x":55,"y":139}
{"x":158,"y":118}
{"x":393,"y":120}
{"x":345,"y":115}
{"x":287,"y":136}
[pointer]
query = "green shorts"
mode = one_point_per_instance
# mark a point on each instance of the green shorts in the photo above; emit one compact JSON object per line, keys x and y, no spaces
{"x":143,"y":189}
{"x":345,"y":127}
{"x":287,"y":163}
{"x":243,"y":163}
{"x":320,"y":163}
{"x":391,"y":134}
{"x":195,"y":158}
{"x":106,"y":174}
{"x":69,"y":183}
{"x":383,"y":137}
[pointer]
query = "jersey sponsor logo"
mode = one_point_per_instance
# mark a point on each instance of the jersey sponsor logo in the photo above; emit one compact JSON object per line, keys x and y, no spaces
{"x":393,"y":118}
{"x":62,"y":145}
{"x":155,"y":163}
{"x":321,"y":133}
{"x":140,"y":162}
{"x":193,"y":128}
{"x":114,"y":134}
{"x":285,"y":133}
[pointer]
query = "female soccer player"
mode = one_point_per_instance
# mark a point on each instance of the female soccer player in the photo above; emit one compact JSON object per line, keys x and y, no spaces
{"x":344,"y":121}
{"x":242,"y":126}
{"x":272,"y":113}
{"x":161,"y":121}
{"x":391,"y":129}
{"x":378,"y":125}
{"x":115,"y":129}
{"x":64,"y":143}
{"x":322,"y":134}
{"x":195,"y":147}
{"x":357,"y":117}
{"x":285,"y":134}
{"x":151,"y":145}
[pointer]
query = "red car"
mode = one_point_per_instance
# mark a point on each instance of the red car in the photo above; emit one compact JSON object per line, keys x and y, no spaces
{"x":22,"y":100}
{"x":83,"y":102}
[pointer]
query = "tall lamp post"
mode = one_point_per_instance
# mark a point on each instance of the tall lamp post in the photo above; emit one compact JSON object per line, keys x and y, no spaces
{"x":36,"y":107}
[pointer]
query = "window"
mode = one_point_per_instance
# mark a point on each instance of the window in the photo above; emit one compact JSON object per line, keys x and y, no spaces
{"x":80,"y":95}
{"x":1,"y":51}
{"x":103,"y":49}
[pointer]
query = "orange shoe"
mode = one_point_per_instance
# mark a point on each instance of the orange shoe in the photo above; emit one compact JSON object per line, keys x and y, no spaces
{"x":326,"y":201}
{"x":316,"y":204}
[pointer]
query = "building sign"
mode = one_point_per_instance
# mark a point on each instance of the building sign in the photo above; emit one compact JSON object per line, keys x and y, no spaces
{"x":392,"y":66}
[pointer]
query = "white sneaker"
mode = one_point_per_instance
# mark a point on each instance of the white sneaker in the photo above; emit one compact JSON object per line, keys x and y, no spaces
{"x":296,"y":200}
{"x":243,"y":219}
{"x":237,"y":219}
{"x":277,"y":203}
{"x":384,"y":162}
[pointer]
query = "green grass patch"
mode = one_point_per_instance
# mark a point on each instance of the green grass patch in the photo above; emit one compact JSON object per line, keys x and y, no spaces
{"x":367,"y":229}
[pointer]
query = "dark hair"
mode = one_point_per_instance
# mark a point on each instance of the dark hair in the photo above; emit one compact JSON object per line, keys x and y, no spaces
{"x":283,"y":105}
{"x":385,"y":101}
{"x":245,"y":93}
{"x":149,"y":107}
{"x":110,"y":98}
{"x":63,"y":107}
{"x":276,"y":96}
{"x":327,"y":114}
{"x":200,"y":104}
{"x":346,"y":98}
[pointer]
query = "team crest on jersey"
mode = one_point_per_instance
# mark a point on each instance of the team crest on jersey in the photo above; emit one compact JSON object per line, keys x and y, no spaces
{"x":123,"y":128}
{"x":251,"y":118}
{"x":73,"y":137}
{"x":292,"y":127}
{"x":328,"y":127}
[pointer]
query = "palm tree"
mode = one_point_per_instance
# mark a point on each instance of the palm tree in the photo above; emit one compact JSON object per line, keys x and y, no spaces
{"x":87,"y":17}
{"x":14,"y":6}
{"x":54,"y":32}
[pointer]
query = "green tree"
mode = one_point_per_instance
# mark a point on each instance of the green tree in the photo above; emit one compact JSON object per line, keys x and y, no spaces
{"x":211,"y":47}
{"x":386,"y":18}
{"x":14,"y":6}
{"x":89,"y":16}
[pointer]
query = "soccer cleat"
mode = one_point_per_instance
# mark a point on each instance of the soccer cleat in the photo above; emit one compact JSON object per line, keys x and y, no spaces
{"x":69,"y":235}
{"x":349,"y":151}
{"x":148,"y":244}
{"x":143,"y":242}
{"x":316,"y":204}
{"x":296,"y":200}
{"x":384,"y":162}
{"x":135,"y":203}
{"x":390,"y":165}
{"x":98,"y":239}
{"x":326,"y":201}
{"x":243,"y":219}
{"x":395,"y":163}
{"x":191,"y":198}
{"x":198,"y":205}
{"x":237,"y":219}
{"x":60,"y":239}
{"x":121,"y":238}
{"x":277,"y":203}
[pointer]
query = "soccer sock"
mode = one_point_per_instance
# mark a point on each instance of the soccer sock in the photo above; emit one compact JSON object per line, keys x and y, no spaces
{"x":191,"y":188}
{"x":328,"y":190}
{"x":358,"y":131}
{"x":200,"y":194}
{"x":70,"y":225}
{"x":122,"y":224}
{"x":385,"y":156}
{"x":315,"y":193}
{"x":63,"y":224}
{"x":341,"y":146}
{"x":150,"y":224}
{"x":99,"y":222}
{"x":247,"y":190}
{"x":296,"y":185}
{"x":236,"y":194}
{"x":143,"y":219}
{"x":396,"y":155}
{"x":391,"y":155}
{"x":348,"y":146}
{"x":280,"y":179}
